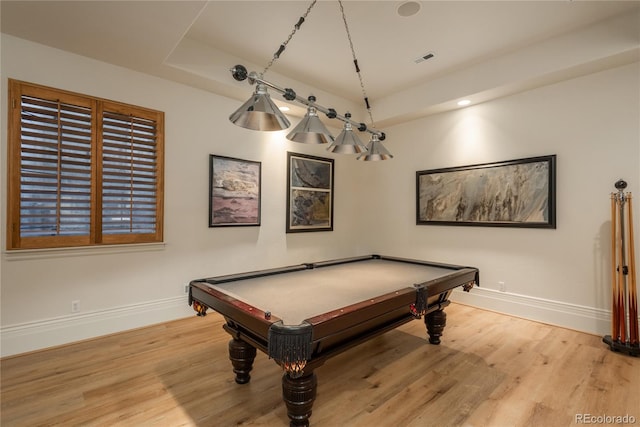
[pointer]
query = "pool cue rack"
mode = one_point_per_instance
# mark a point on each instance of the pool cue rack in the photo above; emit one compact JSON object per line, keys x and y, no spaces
{"x":624,"y":313}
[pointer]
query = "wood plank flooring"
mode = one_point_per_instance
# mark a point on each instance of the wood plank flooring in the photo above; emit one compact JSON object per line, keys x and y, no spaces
{"x":490,"y":370}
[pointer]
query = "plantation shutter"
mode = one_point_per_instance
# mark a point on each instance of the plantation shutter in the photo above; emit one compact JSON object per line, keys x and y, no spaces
{"x":130,"y":173}
{"x":82,"y":171}
{"x":55,"y":170}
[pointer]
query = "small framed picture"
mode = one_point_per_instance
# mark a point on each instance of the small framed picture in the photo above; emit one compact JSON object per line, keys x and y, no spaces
{"x":309,"y":193}
{"x":234,"y":192}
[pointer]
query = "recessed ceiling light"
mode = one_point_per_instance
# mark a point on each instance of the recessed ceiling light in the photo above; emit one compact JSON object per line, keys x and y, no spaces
{"x":464,"y":102}
{"x":283,"y":108}
{"x":408,"y":8}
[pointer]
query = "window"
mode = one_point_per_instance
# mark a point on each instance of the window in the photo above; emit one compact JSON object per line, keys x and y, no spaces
{"x":82,"y":170}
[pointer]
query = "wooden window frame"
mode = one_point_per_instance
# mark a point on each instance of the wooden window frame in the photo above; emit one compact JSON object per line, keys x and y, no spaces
{"x":96,"y":236}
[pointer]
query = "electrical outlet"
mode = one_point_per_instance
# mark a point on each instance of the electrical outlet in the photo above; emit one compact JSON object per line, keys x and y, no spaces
{"x":502,"y":286}
{"x":75,"y":306}
{"x":186,"y":289}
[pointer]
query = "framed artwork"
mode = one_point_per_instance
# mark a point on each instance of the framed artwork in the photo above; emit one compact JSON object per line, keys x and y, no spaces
{"x":513,"y":193}
{"x":309,"y":193}
{"x":234,"y":192}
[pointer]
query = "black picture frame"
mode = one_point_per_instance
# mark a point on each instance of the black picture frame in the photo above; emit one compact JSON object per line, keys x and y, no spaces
{"x":309,"y":193}
{"x":512,"y":193}
{"x":234,"y":192}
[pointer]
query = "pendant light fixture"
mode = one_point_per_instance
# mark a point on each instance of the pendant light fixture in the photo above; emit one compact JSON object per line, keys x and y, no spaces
{"x":311,"y":130}
{"x":375,"y":150}
{"x":347,"y":142}
{"x":261,"y":113}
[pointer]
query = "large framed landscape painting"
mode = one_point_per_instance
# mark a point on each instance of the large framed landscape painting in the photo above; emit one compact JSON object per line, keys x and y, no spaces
{"x":234,"y":192}
{"x":513,"y":193}
{"x":309,"y":193}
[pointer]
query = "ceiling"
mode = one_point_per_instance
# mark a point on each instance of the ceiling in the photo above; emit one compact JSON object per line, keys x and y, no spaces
{"x":482,"y":50}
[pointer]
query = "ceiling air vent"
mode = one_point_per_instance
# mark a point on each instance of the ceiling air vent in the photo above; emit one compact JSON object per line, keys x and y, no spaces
{"x":424,"y":57}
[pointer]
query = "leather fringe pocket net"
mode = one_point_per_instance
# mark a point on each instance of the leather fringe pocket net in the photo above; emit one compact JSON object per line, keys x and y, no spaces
{"x":290,"y":345}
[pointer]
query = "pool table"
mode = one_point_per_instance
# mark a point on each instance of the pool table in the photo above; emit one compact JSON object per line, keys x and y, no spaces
{"x":301,"y":315}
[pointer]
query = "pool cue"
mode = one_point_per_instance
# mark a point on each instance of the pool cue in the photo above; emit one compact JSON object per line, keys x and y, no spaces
{"x":621,"y":336}
{"x":614,"y":263}
{"x":633,"y":295}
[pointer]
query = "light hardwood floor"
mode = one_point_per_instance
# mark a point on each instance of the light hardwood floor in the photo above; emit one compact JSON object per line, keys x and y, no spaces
{"x":490,"y":370}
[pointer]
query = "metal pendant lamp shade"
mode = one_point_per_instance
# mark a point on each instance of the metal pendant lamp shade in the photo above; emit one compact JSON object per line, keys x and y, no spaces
{"x":260,"y":113}
{"x":347,"y":142}
{"x":310,"y":130}
{"x":375,"y":150}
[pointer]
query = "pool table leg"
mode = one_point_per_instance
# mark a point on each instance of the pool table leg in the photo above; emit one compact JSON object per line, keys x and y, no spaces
{"x":435,"y":321}
{"x":242,"y":356}
{"x":299,"y":394}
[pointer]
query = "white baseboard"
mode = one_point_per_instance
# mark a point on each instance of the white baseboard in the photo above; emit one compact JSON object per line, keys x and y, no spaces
{"x":572,"y":316}
{"x":25,"y":337}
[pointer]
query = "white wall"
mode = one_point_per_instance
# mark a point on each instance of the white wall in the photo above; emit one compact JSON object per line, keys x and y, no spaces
{"x":591,"y":123}
{"x":560,"y":276}
{"x":120,"y":288}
